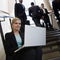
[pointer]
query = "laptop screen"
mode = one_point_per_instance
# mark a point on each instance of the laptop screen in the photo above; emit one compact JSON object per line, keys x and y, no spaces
{"x":34,"y":36}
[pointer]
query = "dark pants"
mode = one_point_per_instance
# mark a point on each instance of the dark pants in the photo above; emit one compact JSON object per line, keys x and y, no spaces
{"x":38,"y":53}
{"x":37,"y":22}
{"x":30,"y":54}
{"x":47,"y":22}
{"x":58,"y":19}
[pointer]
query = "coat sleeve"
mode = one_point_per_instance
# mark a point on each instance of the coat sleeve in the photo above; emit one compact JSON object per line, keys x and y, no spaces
{"x":16,"y":10}
{"x":8,"y":45}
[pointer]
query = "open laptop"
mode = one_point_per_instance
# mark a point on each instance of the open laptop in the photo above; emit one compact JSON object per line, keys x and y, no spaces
{"x":34,"y":36}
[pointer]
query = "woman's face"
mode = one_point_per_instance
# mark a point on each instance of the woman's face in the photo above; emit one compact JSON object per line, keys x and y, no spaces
{"x":16,"y":25}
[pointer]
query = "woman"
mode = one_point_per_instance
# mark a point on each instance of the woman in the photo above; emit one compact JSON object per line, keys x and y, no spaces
{"x":14,"y":40}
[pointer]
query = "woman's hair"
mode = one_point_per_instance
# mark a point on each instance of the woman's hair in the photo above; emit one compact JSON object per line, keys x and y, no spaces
{"x":14,"y":20}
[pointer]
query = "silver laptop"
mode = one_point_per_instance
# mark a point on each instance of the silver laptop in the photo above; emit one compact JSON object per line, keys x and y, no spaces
{"x":34,"y":36}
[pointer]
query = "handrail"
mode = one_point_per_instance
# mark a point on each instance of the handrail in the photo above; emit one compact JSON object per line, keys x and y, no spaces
{"x":5,"y":12}
{"x":2,"y":20}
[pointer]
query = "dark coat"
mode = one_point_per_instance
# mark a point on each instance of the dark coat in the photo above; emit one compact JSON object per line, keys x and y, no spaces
{"x":56,"y":8}
{"x":35,"y":12}
{"x":46,"y":17}
{"x":20,"y":11}
{"x":11,"y":45}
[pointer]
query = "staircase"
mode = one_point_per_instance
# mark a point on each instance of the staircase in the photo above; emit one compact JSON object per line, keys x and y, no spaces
{"x":52,"y":48}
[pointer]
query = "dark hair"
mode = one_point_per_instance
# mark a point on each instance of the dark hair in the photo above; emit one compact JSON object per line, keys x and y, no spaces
{"x":14,"y":20}
{"x":32,"y":3}
{"x":42,"y":3}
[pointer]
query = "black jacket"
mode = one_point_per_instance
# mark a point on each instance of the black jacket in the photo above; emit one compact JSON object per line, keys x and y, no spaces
{"x":56,"y":8}
{"x":11,"y":45}
{"x":46,"y":17}
{"x":20,"y":11}
{"x":35,"y":12}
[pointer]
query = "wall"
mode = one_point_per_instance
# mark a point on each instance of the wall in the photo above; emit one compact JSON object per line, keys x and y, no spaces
{"x":3,"y":12}
{"x":2,"y":52}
